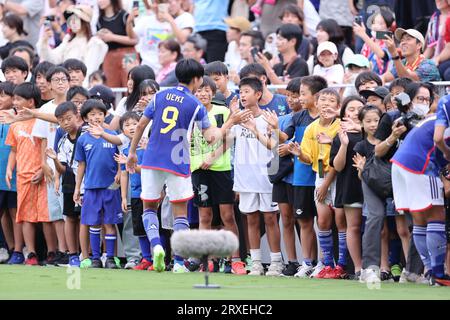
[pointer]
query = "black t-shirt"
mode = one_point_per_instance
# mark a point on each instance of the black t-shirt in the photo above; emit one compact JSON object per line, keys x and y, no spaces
{"x":365,"y":149}
{"x":298,"y":68}
{"x":6,"y":49}
{"x":117,"y":25}
{"x":348,"y":185}
{"x":384,"y":130}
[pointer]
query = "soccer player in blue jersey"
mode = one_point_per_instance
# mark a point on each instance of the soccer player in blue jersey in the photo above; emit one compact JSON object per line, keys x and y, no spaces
{"x":166,"y":160}
{"x":101,"y":200}
{"x":417,"y":188}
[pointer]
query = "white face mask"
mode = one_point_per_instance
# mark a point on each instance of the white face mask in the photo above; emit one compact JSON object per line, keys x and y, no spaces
{"x":420,"y":109}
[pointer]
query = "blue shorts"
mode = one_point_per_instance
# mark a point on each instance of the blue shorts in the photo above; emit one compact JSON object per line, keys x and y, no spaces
{"x":101,"y":206}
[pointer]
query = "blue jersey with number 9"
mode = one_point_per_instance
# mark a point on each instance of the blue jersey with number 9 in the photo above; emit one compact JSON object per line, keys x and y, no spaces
{"x":174,"y":113}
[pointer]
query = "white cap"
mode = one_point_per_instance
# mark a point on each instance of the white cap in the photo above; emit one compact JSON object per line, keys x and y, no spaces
{"x":327,"y":45}
{"x":412,"y":32}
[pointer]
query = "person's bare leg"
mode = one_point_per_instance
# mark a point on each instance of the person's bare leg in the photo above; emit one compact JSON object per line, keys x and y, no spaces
{"x":50,"y":236}
{"x":205,"y":218}
{"x":229,"y":222}
{"x":288,"y":220}
{"x":29,"y":235}
{"x":273,"y":231}
{"x":354,"y":219}
{"x":84,"y":240}
{"x":308,"y":238}
{"x":60,"y":234}
{"x":70,"y":228}
{"x":385,"y":247}
{"x":404,"y":234}
{"x":8,"y":229}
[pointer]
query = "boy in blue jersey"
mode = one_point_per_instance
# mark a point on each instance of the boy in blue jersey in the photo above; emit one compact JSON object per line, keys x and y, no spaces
{"x":218,"y":71}
{"x":304,"y":177}
{"x":101,"y":200}
{"x":269,"y":101}
{"x":8,"y":197}
{"x":166,"y":160}
{"x":128,"y":123}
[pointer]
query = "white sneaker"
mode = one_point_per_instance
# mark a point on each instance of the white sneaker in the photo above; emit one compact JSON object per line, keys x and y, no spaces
{"x":317,"y":269}
{"x":304,"y":271}
{"x":131,"y":264}
{"x":103,"y":259}
{"x":257,"y":269}
{"x":411,"y":277}
{"x":4,"y":255}
{"x":370,"y":276}
{"x":179,"y":268}
{"x":275,"y":269}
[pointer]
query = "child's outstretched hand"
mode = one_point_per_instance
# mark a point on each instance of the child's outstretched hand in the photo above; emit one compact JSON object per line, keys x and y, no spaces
{"x":343,"y":137}
{"x":120,"y":158}
{"x":322,"y":138}
{"x":271,"y":118}
{"x":295,"y":149}
{"x":51,"y":153}
{"x":96,"y":130}
{"x":359,"y":161}
{"x":131,"y":162}
{"x":250,"y":124}
{"x":234,"y":105}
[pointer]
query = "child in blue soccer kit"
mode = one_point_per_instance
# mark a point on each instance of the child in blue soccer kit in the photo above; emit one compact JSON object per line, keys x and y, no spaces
{"x":101,"y":200}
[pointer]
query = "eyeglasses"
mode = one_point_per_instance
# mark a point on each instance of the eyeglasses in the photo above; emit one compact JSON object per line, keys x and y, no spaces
{"x":421,"y":99}
{"x":78,"y":102}
{"x":59,"y":80}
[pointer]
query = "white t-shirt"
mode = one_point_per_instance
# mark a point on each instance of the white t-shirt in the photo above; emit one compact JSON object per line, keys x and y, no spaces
{"x":250,"y":160}
{"x":233,"y":57}
{"x":46,"y":130}
{"x":333,"y":74}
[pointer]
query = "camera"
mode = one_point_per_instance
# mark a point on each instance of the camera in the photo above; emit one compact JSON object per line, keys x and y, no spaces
{"x":358,"y":20}
{"x":254,"y":52}
{"x":407,"y":118}
{"x":50,"y":18}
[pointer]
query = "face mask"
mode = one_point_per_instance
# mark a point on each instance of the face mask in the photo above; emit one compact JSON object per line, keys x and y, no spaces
{"x":420,"y":109}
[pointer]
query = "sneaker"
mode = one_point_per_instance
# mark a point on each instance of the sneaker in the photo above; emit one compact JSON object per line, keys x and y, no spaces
{"x":118,"y":263}
{"x":326,"y":273}
{"x":396,"y":271}
{"x":143,"y":265}
{"x":386,"y":276}
{"x":257,"y":269}
{"x":4,"y":255}
{"x":131,"y":264}
{"x":275,"y":269}
{"x":74,"y":261}
{"x":304,"y":271}
{"x":411,"y":277}
{"x":32,"y":259}
{"x":86,"y":263}
{"x":370,"y":276}
{"x":238,"y":267}
{"x":96,"y":264}
{"x":193,"y":265}
{"x":291,"y":269}
{"x":111,"y":264}
{"x":248,"y":262}
{"x":440,"y":282}
{"x":179,"y":268}
{"x":16,"y":258}
{"x":338,"y":273}
{"x":103,"y":259}
{"x":62,"y":259}
{"x":228,"y":266}
{"x":51,"y":259}
{"x":151,"y":268}
{"x":158,"y":258}
{"x":317,"y":269}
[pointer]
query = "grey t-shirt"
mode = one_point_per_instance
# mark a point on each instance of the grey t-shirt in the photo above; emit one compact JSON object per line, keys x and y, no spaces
{"x":31,"y":25}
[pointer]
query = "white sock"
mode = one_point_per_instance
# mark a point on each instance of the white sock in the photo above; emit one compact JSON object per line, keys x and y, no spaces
{"x":256,"y":255}
{"x":275,"y":257}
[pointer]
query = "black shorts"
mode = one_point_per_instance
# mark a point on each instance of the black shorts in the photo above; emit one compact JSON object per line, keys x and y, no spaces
{"x":69,"y":208}
{"x":212,"y":188}
{"x":304,"y":204}
{"x":8,"y":200}
{"x":137,"y":210}
{"x":283,"y":192}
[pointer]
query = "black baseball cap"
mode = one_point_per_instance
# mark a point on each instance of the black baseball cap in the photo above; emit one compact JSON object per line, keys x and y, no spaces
{"x":380,"y":92}
{"x":104,"y":93}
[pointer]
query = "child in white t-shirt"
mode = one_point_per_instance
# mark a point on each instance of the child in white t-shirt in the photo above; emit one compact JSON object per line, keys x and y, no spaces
{"x":328,"y":66}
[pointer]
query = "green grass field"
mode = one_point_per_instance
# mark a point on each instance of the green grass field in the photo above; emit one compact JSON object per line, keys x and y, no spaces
{"x":25,"y":282}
